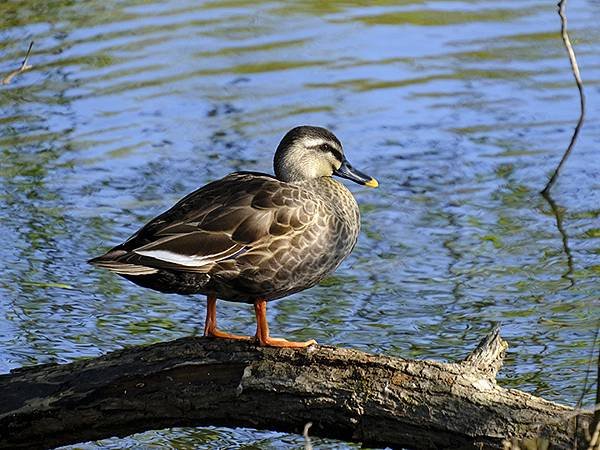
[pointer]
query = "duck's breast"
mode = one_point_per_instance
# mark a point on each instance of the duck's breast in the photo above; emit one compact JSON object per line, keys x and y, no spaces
{"x":322,"y":246}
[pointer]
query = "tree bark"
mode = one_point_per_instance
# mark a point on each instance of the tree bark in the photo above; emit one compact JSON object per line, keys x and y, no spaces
{"x":346,"y":394}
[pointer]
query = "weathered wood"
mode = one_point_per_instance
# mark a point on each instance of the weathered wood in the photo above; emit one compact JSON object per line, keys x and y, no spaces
{"x":346,"y":394}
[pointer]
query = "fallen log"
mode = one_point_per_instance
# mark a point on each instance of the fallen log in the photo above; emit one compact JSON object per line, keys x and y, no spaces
{"x":346,"y":394}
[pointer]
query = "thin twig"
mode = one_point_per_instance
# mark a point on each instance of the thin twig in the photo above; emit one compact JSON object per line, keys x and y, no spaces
{"x":585,"y":389}
{"x":307,"y":443}
{"x":24,"y":66}
{"x":597,"y":413}
{"x":588,"y":370}
{"x":575,"y":69}
{"x":595,"y":441}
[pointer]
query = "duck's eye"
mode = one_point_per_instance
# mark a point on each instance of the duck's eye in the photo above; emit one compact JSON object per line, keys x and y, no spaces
{"x":326,"y":148}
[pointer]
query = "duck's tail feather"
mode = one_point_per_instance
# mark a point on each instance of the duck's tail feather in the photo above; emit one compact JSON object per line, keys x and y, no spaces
{"x":110,"y":261}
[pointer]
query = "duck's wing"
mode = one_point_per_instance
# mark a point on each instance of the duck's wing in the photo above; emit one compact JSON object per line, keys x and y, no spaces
{"x":237,"y":215}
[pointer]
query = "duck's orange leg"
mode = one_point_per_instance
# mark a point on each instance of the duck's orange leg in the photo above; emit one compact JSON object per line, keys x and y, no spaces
{"x":262,"y":330}
{"x":210,"y":326}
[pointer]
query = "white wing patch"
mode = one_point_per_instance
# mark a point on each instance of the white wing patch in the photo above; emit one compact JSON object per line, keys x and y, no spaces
{"x":190,"y":260}
{"x":176,"y":258}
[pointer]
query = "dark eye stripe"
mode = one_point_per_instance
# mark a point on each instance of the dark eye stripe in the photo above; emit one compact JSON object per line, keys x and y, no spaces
{"x":338,"y":155}
{"x":326,"y":148}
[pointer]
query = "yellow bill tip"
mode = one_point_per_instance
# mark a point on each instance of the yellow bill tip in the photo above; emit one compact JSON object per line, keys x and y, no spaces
{"x":372,"y":183}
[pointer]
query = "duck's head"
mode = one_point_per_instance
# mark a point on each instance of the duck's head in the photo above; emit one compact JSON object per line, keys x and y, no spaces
{"x":313,"y":152}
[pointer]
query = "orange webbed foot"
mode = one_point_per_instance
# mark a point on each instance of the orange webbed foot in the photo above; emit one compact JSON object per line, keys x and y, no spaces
{"x":215,"y":333}
{"x":283,"y":343}
{"x":210,"y":326}
{"x":262,"y":330}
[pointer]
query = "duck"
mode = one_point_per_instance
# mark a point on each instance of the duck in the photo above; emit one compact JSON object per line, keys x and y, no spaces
{"x":252,"y":237}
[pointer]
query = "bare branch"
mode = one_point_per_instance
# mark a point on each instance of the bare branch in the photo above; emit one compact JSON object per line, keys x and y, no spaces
{"x":595,"y":440}
{"x":588,"y":369}
{"x":597,"y":412}
{"x":346,"y":394}
{"x":575,"y":69}
{"x":24,"y":66}
{"x":586,"y":386}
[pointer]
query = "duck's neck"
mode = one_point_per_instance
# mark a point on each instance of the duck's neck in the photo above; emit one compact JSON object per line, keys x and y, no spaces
{"x":335,"y":194}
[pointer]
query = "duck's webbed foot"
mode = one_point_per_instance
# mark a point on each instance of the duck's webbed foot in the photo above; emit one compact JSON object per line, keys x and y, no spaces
{"x":262,"y":330}
{"x":215,"y":333}
{"x":279,"y":342}
{"x":210,"y":326}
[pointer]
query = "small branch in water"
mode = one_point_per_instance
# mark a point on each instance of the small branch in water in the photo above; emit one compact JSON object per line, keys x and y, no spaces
{"x":597,"y":412}
{"x":595,"y":424}
{"x":595,"y":439}
{"x":24,"y":66}
{"x":588,"y":370}
{"x":558,"y":215}
{"x":575,"y":69}
{"x":307,"y":443}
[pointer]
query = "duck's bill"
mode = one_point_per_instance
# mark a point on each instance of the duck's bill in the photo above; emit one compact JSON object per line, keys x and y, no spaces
{"x":350,"y":173}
